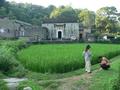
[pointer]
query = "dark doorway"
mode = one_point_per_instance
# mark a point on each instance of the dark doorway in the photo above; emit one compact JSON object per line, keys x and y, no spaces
{"x":59,"y":34}
{"x":47,"y":34}
{"x":80,"y":36}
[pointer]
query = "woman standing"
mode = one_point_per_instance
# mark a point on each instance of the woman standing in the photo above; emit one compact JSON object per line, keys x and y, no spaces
{"x":87,"y":57}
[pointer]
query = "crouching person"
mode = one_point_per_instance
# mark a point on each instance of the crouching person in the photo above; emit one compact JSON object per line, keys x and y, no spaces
{"x":104,"y":63}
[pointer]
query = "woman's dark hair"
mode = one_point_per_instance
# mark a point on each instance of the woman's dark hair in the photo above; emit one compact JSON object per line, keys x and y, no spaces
{"x":87,"y":47}
{"x":100,"y":57}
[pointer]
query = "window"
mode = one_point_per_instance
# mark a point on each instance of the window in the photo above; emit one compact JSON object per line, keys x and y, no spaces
{"x":8,"y":30}
{"x":22,"y":33}
{"x":2,"y":30}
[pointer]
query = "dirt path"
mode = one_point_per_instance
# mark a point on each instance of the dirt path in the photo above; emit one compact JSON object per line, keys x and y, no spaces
{"x":69,"y":83}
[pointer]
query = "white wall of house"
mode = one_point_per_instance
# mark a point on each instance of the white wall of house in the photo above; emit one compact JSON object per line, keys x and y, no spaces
{"x":68,"y":30}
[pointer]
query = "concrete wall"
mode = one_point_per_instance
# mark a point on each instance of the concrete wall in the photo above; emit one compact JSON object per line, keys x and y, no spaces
{"x":7,"y":28}
{"x":15,"y":29}
{"x":68,"y":30}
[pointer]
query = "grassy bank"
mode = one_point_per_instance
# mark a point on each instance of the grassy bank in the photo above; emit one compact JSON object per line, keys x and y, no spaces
{"x":104,"y":80}
{"x":29,"y":83}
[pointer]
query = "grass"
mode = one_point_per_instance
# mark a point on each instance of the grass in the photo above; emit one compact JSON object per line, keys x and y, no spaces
{"x":103,"y":80}
{"x":3,"y":85}
{"x":53,"y":76}
{"x":60,"y":58}
{"x":29,"y":83}
{"x":63,"y":58}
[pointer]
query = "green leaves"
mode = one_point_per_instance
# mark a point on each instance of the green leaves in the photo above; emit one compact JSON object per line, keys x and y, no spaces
{"x":106,"y":19}
{"x":64,"y":13}
{"x":87,"y":18}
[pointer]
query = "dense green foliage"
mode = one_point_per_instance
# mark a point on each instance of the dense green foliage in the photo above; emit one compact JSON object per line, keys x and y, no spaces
{"x":63,"y":57}
{"x":33,"y":14}
{"x":2,"y":85}
{"x":87,"y":18}
{"x":104,"y":20}
{"x":8,"y":63}
{"x":65,"y":13}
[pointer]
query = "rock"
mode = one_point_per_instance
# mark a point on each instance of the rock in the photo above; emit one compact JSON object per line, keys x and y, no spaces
{"x":12,"y":86}
{"x":12,"y":83}
{"x":27,"y":88}
{"x":14,"y":80}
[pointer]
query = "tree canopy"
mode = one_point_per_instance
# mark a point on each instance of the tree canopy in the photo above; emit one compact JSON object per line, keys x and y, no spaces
{"x":64,"y":13}
{"x":2,"y":3}
{"x":87,"y":18}
{"x":106,"y":19}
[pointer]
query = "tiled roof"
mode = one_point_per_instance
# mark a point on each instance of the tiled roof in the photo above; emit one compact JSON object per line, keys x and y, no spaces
{"x":59,"y":21}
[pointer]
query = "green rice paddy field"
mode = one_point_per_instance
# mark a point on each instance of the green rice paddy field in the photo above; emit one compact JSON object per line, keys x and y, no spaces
{"x":60,"y":58}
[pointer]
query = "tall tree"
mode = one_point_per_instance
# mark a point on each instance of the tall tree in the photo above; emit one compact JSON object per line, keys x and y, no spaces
{"x":106,"y":19}
{"x":2,"y":2}
{"x":33,"y":14}
{"x":64,"y":13}
{"x":3,"y":11}
{"x":87,"y":18}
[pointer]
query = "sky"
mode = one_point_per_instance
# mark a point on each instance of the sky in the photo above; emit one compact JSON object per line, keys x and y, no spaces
{"x":93,"y":5}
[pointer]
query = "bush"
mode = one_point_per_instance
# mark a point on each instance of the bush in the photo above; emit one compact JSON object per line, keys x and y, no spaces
{"x":18,"y":71}
{"x":7,"y":61}
{"x":15,"y":46}
{"x":117,"y":40}
{"x":3,"y":85}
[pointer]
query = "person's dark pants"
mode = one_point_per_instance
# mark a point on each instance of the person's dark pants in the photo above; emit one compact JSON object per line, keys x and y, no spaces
{"x":105,"y":67}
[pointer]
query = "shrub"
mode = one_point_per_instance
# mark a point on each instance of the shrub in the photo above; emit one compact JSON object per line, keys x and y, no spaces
{"x":7,"y":61}
{"x":15,"y":46}
{"x":3,"y":85}
{"x":21,"y":43}
{"x":18,"y":71}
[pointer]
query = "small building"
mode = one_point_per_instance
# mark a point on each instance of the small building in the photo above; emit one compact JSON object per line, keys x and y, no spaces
{"x":16,"y":29}
{"x":64,"y":30}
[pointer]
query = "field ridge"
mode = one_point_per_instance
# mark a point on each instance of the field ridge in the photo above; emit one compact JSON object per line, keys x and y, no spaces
{"x":69,"y":82}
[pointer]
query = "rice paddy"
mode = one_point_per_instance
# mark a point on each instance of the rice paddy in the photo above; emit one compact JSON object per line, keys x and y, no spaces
{"x":60,"y":58}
